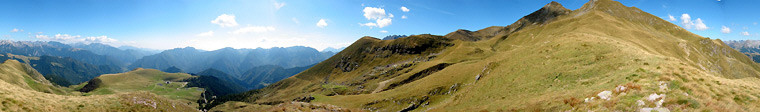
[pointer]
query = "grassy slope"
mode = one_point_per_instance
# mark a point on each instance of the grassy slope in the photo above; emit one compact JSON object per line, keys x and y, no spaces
{"x":149,"y":80}
{"x":552,"y":66}
{"x":27,"y":95}
{"x":23,"y":76}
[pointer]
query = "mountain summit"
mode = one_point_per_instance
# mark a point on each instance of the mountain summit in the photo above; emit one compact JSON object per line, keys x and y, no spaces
{"x":543,"y":15}
{"x":602,"y":57}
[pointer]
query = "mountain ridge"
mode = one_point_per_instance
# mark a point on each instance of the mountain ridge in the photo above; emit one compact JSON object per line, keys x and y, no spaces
{"x":229,"y":60}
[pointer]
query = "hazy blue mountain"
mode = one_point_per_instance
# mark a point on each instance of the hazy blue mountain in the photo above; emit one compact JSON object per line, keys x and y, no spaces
{"x":231,"y":61}
{"x":261,"y":76}
{"x":65,"y":71}
{"x":39,"y":48}
{"x":214,"y":85}
{"x":334,"y":50}
{"x":287,"y":57}
{"x":391,"y":37}
{"x":173,"y":69}
{"x":221,"y":76}
{"x":126,"y":47}
{"x":125,"y":55}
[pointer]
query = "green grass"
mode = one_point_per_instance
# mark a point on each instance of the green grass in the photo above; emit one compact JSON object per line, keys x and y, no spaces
{"x":538,"y":68}
{"x":23,"y":89}
{"x":148,"y":80}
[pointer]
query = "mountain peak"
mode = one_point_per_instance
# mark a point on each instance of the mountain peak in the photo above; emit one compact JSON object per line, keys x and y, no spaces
{"x":554,"y":5}
{"x":462,"y":34}
{"x":602,"y":5}
{"x":546,"y":13}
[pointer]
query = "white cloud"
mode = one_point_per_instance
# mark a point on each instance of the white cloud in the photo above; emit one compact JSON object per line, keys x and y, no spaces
{"x":66,"y":38}
{"x":383,"y":31}
{"x":383,"y":22}
{"x":295,"y":20}
{"x":403,"y":17}
{"x":257,"y":29}
{"x":404,"y":9}
{"x":16,"y":30}
{"x":206,"y":34}
{"x":43,"y":37}
{"x":725,"y":29}
{"x":278,"y":5}
{"x":321,"y":23}
{"x":380,"y":23}
{"x":671,"y":18}
{"x":374,"y":13}
{"x":696,"y":24}
{"x":699,"y":25}
{"x":225,"y":20}
{"x":378,"y":14}
{"x":100,"y":39}
{"x":370,"y":24}
{"x":745,"y":33}
{"x":686,"y":21}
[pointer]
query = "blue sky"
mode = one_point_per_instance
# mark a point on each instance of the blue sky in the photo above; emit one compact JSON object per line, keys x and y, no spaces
{"x":212,"y":24}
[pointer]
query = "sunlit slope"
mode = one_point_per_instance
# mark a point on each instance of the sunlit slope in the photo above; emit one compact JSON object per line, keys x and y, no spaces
{"x":23,"y":76}
{"x":603,"y":56}
{"x":168,"y":85}
{"x":23,"y":89}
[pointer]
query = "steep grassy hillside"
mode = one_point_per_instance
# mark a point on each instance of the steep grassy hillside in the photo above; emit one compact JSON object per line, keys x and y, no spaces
{"x":602,"y":57}
{"x":23,"y":76}
{"x":23,"y":89}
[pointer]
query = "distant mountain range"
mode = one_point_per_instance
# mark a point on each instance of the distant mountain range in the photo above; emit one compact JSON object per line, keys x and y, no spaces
{"x":126,"y":55}
{"x":71,"y":64}
{"x":38,"y":48}
{"x":262,"y":76}
{"x":65,"y":71}
{"x":231,"y":61}
{"x":334,"y":50}
{"x":391,"y":37}
{"x":750,"y":48}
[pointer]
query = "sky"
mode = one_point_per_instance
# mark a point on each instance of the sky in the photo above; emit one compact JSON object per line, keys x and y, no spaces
{"x":215,"y":24}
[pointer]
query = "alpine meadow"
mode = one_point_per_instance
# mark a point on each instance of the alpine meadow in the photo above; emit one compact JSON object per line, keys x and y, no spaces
{"x":380,"y":56}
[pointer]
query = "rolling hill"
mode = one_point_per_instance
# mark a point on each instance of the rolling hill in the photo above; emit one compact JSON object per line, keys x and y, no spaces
{"x":197,"y":91}
{"x":23,"y":89}
{"x":603,"y":56}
